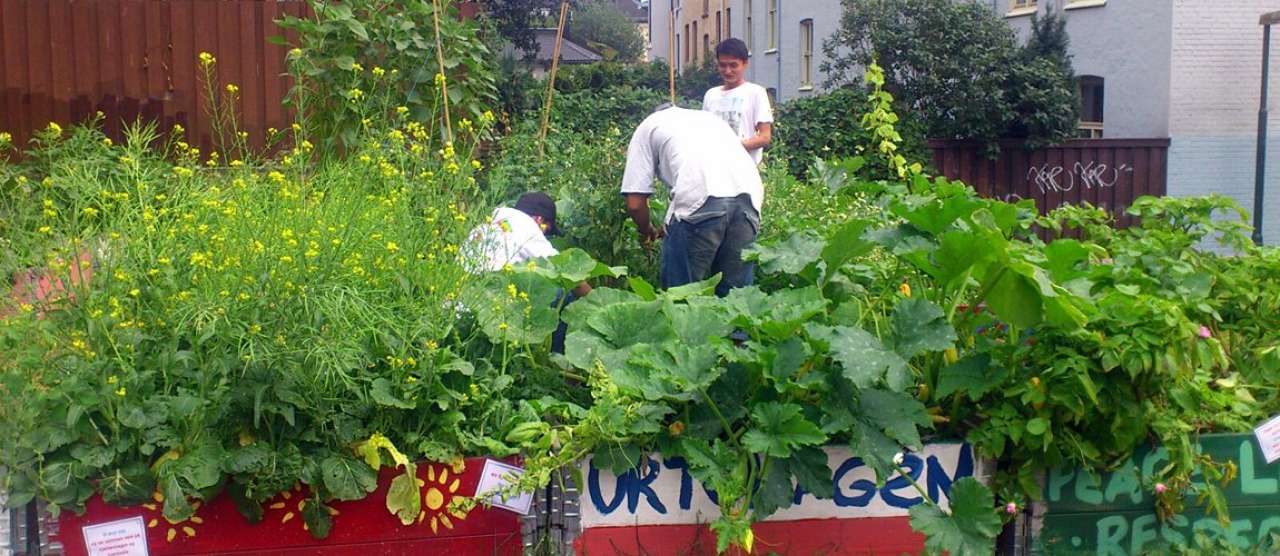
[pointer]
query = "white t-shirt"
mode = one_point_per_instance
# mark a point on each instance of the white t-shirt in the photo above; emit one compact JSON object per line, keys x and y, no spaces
{"x":743,"y":108}
{"x":510,"y":237}
{"x":695,"y":153}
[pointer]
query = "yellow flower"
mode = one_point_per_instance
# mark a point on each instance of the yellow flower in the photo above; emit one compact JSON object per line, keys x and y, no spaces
{"x":905,"y":289}
{"x":357,"y":67}
{"x":207,"y":59}
{"x":106,"y":141}
{"x":232,"y":88}
{"x":113,"y":379}
{"x":476,"y":164}
{"x":487,"y":117}
{"x":378,"y":72}
{"x":399,"y":109}
{"x":45,"y":230}
{"x":355,"y":94}
{"x":295,"y":52}
{"x":392,"y":247}
{"x":135,"y":292}
{"x":440,"y":80}
{"x":89,"y":212}
{"x":276,"y":177}
{"x":178,"y":129}
{"x":55,"y":129}
{"x":5,"y":138}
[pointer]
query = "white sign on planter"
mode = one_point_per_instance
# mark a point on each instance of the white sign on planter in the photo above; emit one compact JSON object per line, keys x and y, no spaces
{"x":664,"y":493}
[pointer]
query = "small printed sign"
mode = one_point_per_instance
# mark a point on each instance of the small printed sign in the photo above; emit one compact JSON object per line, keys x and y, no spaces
{"x":1268,"y":435}
{"x":493,"y":478}
{"x":126,"y":537}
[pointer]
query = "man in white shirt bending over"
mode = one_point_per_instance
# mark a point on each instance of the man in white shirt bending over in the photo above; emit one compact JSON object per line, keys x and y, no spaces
{"x":716,"y":193}
{"x":743,"y":105}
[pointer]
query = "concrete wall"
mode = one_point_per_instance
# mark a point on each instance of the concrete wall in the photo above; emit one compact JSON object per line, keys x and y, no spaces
{"x":1214,"y":94}
{"x":1125,"y":42}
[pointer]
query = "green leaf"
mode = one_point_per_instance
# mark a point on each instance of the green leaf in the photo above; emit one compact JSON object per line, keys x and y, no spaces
{"x":809,"y":466}
{"x":792,"y":256}
{"x":316,"y":515}
{"x":201,"y":468}
{"x":176,"y":506}
{"x":919,"y":326}
{"x":786,"y":358}
{"x":886,"y":422}
{"x":356,"y":29}
{"x":403,"y":496}
{"x":1012,"y":297}
{"x":1063,"y":255}
{"x":846,"y":244}
{"x":689,"y":368}
{"x":574,"y":265}
{"x":971,"y":527}
{"x":1037,"y":426}
{"x":779,"y":429}
{"x":618,"y":459}
{"x":249,"y":508}
{"x":775,"y":490}
{"x":382,"y":395}
{"x":347,"y":478}
{"x":128,"y":485}
{"x":628,"y":323}
{"x":642,"y":288}
{"x":696,"y":289}
{"x":696,"y":324}
{"x":972,"y":375}
{"x":863,"y":359}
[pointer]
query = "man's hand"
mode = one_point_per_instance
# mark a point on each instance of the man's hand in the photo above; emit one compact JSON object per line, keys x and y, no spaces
{"x":651,"y":234}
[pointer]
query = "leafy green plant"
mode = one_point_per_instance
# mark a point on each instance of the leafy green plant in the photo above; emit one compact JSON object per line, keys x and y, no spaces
{"x":386,"y":50}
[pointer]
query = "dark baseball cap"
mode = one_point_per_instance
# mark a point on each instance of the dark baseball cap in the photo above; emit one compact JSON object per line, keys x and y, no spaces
{"x":537,"y":203}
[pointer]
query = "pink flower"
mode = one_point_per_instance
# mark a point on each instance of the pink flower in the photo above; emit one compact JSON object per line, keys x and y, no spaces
{"x":1011,"y":508}
{"x":1160,"y":488}
{"x":1204,"y":332}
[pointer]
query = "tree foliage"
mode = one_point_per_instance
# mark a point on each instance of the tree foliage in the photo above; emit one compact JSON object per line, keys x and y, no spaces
{"x":600,"y":26}
{"x":960,"y":67}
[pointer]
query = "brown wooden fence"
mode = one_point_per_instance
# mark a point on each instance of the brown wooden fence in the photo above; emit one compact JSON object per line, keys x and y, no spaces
{"x":64,"y":60}
{"x":1108,"y":173}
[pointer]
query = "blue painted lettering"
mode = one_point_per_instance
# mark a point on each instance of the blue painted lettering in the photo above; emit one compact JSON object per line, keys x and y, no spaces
{"x":914,"y":467}
{"x":637,"y":486}
{"x":597,"y":498}
{"x":937,"y":479}
{"x":867,"y":488}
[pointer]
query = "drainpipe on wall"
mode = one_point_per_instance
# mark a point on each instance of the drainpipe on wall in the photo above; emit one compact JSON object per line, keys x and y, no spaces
{"x":1260,"y":170}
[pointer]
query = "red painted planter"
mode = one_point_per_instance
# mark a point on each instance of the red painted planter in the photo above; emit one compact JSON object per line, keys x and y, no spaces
{"x":360,"y":528}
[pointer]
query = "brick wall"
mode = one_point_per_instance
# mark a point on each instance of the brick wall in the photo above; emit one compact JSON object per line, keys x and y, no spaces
{"x":1214,"y":87}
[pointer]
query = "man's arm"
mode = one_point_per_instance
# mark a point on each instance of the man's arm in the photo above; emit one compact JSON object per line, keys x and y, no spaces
{"x":764,"y":136}
{"x":638,"y":209}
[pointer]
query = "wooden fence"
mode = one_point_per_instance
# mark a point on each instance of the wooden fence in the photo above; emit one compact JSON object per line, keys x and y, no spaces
{"x":65,"y":60}
{"x":1108,"y":173}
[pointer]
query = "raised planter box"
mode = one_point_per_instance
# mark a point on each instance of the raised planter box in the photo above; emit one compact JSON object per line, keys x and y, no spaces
{"x":1114,"y":513}
{"x":663,"y":510}
{"x":360,"y":528}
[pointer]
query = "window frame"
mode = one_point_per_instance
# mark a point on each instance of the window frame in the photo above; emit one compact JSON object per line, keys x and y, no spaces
{"x":806,"y":54}
{"x":750,"y":36}
{"x":1097,"y":85}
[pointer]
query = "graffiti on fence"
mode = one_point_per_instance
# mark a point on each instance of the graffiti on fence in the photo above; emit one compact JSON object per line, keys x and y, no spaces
{"x":1050,"y":178}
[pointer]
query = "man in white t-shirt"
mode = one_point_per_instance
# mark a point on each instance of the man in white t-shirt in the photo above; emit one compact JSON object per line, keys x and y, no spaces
{"x":743,"y":105}
{"x":716,"y":193}
{"x":515,"y":235}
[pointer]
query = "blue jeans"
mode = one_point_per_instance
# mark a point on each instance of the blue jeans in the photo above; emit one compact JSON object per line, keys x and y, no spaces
{"x":711,"y":241}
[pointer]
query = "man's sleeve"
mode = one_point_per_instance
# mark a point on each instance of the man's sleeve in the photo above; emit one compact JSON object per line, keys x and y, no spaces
{"x":538,"y":246}
{"x":764,"y":112}
{"x":638,"y":176}
{"x":706,"y":100}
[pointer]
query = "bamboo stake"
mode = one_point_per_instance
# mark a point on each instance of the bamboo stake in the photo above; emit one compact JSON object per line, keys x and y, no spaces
{"x":444,"y":85}
{"x":551,"y":82}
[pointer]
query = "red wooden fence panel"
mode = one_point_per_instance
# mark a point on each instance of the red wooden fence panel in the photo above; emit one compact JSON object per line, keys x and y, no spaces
{"x":1107,"y":173}
{"x":65,"y":60}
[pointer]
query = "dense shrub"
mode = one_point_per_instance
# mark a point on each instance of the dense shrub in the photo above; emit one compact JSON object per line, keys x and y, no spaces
{"x":830,"y":126}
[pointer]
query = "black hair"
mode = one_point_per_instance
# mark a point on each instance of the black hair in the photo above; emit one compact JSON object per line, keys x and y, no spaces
{"x":734,"y":48}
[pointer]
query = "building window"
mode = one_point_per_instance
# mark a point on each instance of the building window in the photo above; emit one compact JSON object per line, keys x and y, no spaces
{"x":694,"y":53}
{"x":706,"y":45}
{"x":806,"y":54}
{"x":706,"y":7}
{"x":1092,"y":102}
{"x":748,"y":32}
{"x":686,"y":43}
{"x":718,"y":27}
{"x":1021,"y":4}
{"x":728,"y":23}
{"x":773,"y":24}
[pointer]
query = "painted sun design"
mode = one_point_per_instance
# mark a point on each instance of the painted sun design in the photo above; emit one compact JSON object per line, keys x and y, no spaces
{"x":284,"y":503}
{"x":186,"y":526}
{"x":438,"y":492}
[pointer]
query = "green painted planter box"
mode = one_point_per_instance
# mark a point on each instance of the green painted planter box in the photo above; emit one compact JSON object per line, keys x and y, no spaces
{"x":1114,"y":514}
